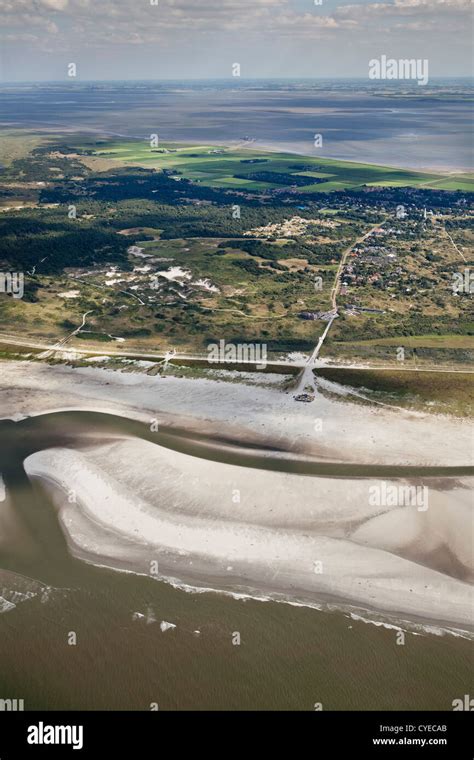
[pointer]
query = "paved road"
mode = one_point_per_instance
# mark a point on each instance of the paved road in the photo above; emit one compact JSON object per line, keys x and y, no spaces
{"x":345,"y":254}
{"x":307,"y":376}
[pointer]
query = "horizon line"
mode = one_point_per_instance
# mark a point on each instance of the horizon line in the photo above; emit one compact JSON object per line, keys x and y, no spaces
{"x":242,"y":80}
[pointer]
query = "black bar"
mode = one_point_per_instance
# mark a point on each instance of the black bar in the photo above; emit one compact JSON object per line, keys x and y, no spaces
{"x":135,"y":734}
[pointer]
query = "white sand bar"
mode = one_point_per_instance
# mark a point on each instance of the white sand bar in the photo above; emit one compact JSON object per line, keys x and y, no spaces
{"x":305,"y":537}
{"x":256,"y":531}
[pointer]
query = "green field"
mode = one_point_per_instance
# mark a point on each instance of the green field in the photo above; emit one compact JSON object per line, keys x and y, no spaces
{"x":218,"y":166}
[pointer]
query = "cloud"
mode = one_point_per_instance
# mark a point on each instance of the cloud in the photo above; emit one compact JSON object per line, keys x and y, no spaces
{"x":429,"y":16}
{"x":31,"y":6}
{"x":129,"y":21}
{"x":436,"y":5}
{"x":432,"y":8}
{"x":55,"y":5}
{"x":25,"y":20}
{"x":185,"y":26}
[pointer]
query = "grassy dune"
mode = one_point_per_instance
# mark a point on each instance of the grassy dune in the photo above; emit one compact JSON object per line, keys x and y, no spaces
{"x":17,"y":144}
{"x":441,"y":392}
{"x":415,"y":341}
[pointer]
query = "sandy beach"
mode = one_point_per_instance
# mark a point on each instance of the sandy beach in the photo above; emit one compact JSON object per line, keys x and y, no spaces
{"x":336,"y":431}
{"x":148,"y":509}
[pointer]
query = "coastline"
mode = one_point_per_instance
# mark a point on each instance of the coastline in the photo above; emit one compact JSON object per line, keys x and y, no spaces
{"x":305,"y":558}
{"x":334,"y":430}
{"x":293,"y":149}
{"x":383,"y":564}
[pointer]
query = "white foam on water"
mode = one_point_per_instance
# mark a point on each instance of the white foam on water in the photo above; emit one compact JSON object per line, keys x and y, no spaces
{"x":6,"y":606}
{"x":369,"y":617}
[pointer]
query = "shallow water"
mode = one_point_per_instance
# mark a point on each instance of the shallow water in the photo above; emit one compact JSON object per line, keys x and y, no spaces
{"x":422,"y":131}
{"x":289,"y":657}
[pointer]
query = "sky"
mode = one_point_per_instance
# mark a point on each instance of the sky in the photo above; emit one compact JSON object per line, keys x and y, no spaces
{"x":199,"y":39}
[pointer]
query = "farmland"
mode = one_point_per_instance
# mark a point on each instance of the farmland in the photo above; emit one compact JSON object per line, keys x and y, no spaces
{"x":251,"y":169}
